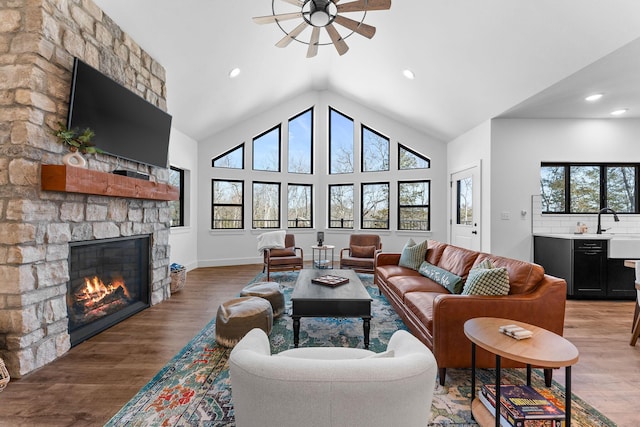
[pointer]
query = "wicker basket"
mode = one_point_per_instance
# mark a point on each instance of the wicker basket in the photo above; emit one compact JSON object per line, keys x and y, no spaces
{"x":178,"y":279}
{"x":4,"y":375}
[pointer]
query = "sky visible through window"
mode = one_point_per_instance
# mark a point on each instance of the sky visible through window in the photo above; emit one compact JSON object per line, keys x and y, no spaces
{"x":300,"y":131}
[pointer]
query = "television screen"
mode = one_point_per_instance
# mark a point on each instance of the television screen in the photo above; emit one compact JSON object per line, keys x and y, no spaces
{"x":126,"y":125}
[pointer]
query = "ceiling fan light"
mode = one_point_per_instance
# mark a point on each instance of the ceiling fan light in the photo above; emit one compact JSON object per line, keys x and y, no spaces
{"x":319,"y":18}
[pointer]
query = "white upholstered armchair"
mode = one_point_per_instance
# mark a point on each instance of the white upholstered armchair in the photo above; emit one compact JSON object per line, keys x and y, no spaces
{"x":332,"y":386}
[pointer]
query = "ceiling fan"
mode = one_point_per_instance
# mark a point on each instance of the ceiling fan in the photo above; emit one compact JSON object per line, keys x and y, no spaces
{"x":324,"y":13}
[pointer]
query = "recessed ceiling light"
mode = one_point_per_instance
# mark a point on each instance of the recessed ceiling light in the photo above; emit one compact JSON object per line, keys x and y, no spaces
{"x":618,"y":112}
{"x":408,"y":74}
{"x":234,"y":73}
{"x":594,"y":97}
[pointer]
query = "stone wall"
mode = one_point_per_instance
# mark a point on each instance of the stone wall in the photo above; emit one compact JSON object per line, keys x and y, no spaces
{"x":38,"y":40}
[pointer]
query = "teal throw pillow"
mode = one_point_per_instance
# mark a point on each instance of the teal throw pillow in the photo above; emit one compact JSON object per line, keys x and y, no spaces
{"x":451,"y":281}
{"x":413,"y":254}
{"x":487,"y":281}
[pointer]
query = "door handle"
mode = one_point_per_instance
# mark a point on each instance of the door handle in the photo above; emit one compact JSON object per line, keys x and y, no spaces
{"x":474,"y":232}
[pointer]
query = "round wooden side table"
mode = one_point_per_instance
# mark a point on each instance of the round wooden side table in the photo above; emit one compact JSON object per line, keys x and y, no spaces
{"x":544,"y":348}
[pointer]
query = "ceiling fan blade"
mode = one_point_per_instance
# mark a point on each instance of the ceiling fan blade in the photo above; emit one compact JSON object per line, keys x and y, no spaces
{"x":358,"y":27}
{"x":338,"y":42}
{"x":273,"y":18}
{"x":294,"y":2}
{"x":313,"y":43}
{"x":364,"y":5}
{"x":284,"y":42}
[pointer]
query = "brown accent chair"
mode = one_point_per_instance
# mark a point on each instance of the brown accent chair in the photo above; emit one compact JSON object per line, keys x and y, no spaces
{"x":361,"y":253}
{"x":289,"y":258}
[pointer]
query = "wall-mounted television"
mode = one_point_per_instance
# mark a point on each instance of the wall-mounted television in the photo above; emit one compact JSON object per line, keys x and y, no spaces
{"x":126,"y":125}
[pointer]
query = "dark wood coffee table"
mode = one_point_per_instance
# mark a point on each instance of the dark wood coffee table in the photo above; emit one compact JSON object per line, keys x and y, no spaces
{"x":312,"y":300}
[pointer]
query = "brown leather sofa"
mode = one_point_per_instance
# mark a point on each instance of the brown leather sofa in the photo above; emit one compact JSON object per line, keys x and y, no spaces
{"x":437,"y":317}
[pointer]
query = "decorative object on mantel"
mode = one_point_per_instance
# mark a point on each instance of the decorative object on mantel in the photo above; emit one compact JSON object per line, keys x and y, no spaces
{"x":77,"y":143}
{"x":323,"y":13}
{"x":178,"y":277}
{"x":4,"y":375}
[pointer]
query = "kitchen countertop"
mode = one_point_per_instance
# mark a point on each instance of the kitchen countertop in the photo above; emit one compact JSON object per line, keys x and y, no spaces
{"x":591,"y":236}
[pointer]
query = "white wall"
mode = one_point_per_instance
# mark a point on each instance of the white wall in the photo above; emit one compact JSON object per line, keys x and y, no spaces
{"x":473,"y":148}
{"x":239,"y":246}
{"x":518,"y":146}
{"x":183,"y":153}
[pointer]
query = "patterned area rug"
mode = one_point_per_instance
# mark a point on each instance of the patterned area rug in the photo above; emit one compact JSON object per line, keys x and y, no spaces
{"x":193,"y":389}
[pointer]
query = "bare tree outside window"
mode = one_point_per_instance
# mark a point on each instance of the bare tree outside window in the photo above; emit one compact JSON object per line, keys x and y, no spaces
{"x":375,"y":205}
{"x":464,"y":204}
{"x":341,"y":206}
{"x":300,"y":209}
{"x":584,"y":186}
{"x":266,"y":151}
{"x":301,"y":143}
{"x":266,"y":205}
{"x":375,"y":151}
{"x":409,"y":159}
{"x":340,"y":143}
{"x":621,"y":188}
{"x":552,"y":188}
{"x":227,"y":204}
{"x":232,"y":159}
{"x":176,"y":207}
{"x":413,"y":205}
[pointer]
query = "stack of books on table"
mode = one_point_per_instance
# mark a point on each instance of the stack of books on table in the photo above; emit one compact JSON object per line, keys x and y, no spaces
{"x":516,"y":332}
{"x":522,"y":406}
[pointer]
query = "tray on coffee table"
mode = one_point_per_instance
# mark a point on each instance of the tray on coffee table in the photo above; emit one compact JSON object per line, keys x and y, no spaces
{"x":330,"y":280}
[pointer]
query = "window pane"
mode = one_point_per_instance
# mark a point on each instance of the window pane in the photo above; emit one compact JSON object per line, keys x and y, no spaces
{"x":552,"y":188}
{"x":621,"y":192}
{"x":585,"y":188}
{"x":299,"y":206}
{"x":464,"y":204}
{"x":300,"y":143}
{"x":413,"y":205}
{"x":228,"y":205}
{"x":266,"y":151}
{"x":375,"y":151}
{"x":375,"y":205}
{"x":233,"y":159}
{"x":340,"y":143}
{"x":266,"y":205}
{"x":341,"y":206}
{"x":409,"y":159}
{"x":176,"y":178}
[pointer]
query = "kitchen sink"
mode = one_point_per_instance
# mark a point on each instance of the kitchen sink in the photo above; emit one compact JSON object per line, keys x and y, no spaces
{"x":624,"y":246}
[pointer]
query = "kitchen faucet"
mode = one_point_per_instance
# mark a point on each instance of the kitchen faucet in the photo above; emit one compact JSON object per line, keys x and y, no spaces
{"x":605,"y":210}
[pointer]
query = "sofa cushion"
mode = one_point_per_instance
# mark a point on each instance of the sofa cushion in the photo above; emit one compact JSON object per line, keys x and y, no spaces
{"x":362,"y":251}
{"x":389,"y":270}
{"x":282,"y":252}
{"x":457,"y":260}
{"x":413,"y":254}
{"x":524,"y":276}
{"x":421,"y":304}
{"x":434,"y":253}
{"x":401,"y":285}
{"x":487,"y":281}
{"x":451,"y":281}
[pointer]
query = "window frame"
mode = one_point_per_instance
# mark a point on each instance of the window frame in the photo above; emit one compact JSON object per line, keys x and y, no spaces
{"x":364,"y":127}
{"x":329,"y":205}
{"x":415,"y":153}
{"x":311,"y":142}
{"x":602,"y":188}
{"x":240,"y":205}
{"x":353,"y":143}
{"x":226,"y":153}
{"x":180,"y":200}
{"x":278,"y":210}
{"x":362,"y":193}
{"x":310,"y":220}
{"x":277,"y":127}
{"x":427,"y":206}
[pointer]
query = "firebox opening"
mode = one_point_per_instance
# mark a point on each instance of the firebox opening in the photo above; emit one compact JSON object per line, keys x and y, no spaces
{"x":109,"y":281}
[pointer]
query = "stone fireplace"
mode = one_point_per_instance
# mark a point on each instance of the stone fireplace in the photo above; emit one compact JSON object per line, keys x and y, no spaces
{"x":41,"y":229}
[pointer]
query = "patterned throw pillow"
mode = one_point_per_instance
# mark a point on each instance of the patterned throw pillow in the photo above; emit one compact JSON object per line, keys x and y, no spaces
{"x":413,"y":254}
{"x":451,"y":281}
{"x":487,"y":281}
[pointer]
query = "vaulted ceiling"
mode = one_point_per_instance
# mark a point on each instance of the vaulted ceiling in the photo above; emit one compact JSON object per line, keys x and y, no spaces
{"x":473,"y":59}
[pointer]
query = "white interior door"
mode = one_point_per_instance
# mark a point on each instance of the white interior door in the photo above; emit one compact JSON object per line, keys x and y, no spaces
{"x":465,"y":212}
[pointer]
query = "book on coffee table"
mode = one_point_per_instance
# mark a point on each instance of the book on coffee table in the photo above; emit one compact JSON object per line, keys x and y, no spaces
{"x":330,"y":280}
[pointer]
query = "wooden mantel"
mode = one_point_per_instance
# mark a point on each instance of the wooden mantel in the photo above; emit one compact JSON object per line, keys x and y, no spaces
{"x":71,"y":179}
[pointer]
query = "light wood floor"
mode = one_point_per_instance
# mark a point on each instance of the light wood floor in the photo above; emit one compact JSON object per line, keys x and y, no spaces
{"x":96,"y":378}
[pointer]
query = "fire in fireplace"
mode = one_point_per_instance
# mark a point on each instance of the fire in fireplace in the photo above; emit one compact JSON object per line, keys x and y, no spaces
{"x":109,"y":281}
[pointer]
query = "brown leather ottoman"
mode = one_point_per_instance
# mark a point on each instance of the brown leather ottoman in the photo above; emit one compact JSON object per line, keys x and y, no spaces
{"x":269,"y":291}
{"x":238,"y":316}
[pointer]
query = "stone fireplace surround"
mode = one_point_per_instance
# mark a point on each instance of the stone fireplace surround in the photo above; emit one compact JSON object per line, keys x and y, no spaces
{"x":38,"y":40}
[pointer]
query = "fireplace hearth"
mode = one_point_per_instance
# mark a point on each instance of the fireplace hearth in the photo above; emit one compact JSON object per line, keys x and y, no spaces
{"x":109,"y":281}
